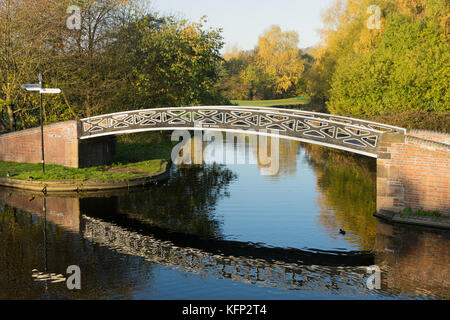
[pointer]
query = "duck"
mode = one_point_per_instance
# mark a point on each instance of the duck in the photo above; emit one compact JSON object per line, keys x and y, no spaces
{"x":30,"y":178}
{"x":342,"y":231}
{"x":8,"y":174}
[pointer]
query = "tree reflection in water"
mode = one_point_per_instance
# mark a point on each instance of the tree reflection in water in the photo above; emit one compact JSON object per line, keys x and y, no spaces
{"x":347,"y":194}
{"x":186,"y":203}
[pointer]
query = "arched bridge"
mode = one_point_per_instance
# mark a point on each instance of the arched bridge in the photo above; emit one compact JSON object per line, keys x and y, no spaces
{"x":338,"y":132}
{"x":412,"y":165}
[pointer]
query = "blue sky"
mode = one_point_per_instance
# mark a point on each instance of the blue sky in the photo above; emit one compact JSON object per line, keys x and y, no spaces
{"x":243,"y":21}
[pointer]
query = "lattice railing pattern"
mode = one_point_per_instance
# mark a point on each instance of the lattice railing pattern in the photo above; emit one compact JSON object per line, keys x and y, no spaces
{"x":349,"y":134}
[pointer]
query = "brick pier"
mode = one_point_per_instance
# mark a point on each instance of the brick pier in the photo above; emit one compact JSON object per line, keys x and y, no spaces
{"x":413,"y":170}
{"x":62,"y":146}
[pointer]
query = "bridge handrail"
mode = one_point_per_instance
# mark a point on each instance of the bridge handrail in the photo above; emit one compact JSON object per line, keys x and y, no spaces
{"x":344,"y":133}
{"x":328,"y":115}
{"x":309,"y":115}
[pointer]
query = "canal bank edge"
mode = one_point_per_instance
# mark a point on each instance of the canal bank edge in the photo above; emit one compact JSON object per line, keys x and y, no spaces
{"x":77,"y":186}
{"x":423,"y":221}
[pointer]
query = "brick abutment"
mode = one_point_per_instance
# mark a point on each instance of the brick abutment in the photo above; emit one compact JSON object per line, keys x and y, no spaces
{"x":62,"y":146}
{"x":413,"y":171}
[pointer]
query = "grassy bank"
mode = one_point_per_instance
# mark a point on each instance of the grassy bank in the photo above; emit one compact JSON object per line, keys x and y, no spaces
{"x":137,"y":155}
{"x":31,"y":171}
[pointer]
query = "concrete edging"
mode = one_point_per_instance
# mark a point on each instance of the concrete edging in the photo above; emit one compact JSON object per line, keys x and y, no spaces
{"x":77,"y":186}
{"x":423,"y":221}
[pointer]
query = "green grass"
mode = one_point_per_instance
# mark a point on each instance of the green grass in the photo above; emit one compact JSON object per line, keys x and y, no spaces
{"x":143,"y":146}
{"x":271,"y":103}
{"x":23,"y":171}
{"x":420,"y":212}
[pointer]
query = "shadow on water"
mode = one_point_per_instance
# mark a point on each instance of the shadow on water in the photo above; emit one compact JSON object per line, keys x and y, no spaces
{"x":184,"y":204}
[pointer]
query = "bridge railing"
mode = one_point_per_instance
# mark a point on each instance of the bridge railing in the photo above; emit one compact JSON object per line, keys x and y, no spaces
{"x":343,"y":133}
{"x":336,"y":118}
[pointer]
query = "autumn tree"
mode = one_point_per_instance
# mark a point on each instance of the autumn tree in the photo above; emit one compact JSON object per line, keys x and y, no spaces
{"x":272,"y":70}
{"x":88,"y":74}
{"x":25,"y":30}
{"x":120,"y":57}
{"x":279,"y":57}
{"x":397,"y":68}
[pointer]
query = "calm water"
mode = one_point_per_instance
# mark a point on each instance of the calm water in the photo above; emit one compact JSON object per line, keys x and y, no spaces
{"x":223,"y":232}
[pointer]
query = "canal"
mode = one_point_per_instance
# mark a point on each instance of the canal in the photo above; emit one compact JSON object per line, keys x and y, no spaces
{"x":216,"y":231}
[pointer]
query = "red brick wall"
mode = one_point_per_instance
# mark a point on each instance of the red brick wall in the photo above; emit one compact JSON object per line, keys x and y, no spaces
{"x":60,"y":143}
{"x":413,"y":172}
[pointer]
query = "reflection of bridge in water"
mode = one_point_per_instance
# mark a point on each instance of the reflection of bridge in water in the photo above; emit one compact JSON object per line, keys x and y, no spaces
{"x":249,"y":264}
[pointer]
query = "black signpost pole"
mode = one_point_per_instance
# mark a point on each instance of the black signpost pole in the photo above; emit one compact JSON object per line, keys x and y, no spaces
{"x":42,"y":124}
{"x":38,"y":87}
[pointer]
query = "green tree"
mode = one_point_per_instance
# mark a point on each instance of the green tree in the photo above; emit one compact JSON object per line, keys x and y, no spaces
{"x":172,"y":63}
{"x":408,"y":70}
{"x":233,"y":77}
{"x":398,"y":69}
{"x":121,"y":58}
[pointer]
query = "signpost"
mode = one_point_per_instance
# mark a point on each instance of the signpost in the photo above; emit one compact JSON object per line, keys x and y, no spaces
{"x":45,"y":90}
{"x":31,"y":87}
{"x":38,"y":87}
